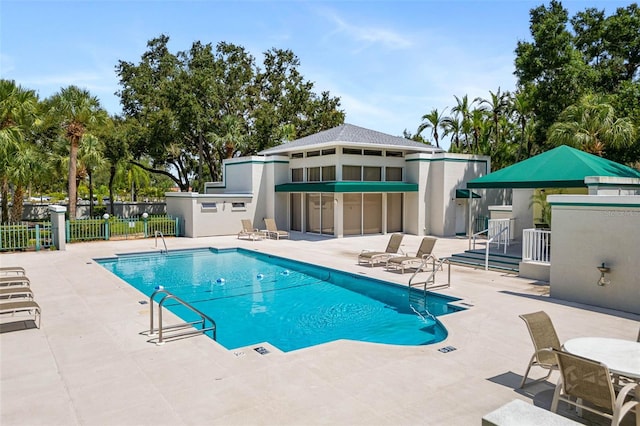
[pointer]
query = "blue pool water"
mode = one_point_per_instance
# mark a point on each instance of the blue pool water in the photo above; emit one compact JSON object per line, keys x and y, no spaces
{"x":257,"y":298}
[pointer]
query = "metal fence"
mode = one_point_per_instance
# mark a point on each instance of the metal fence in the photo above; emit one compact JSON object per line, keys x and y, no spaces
{"x":25,"y":236}
{"x":120,"y":228}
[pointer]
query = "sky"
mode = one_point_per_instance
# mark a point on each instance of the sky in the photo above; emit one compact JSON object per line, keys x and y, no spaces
{"x":390,"y":62}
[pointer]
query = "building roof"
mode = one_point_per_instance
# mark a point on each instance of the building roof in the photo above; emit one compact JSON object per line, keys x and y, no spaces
{"x":348,"y":134}
{"x":561,"y":167}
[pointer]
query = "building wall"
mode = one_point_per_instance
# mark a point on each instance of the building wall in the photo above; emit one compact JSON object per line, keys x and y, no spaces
{"x":590,"y":230}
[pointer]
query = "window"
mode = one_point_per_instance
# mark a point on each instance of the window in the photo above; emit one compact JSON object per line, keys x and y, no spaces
{"x":236,"y":206}
{"x":209,"y":206}
{"x":352,"y":151}
{"x":296,"y":155}
{"x":329,"y":173}
{"x":313,"y":154}
{"x":297,"y":175}
{"x":373,"y":152}
{"x":393,"y":174}
{"x":329,"y":151}
{"x":372,"y":174}
{"x":313,"y":174}
{"x":394,"y":154}
{"x":351,"y":173}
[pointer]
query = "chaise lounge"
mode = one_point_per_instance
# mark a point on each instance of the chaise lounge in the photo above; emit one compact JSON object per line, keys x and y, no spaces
{"x":372,"y":258}
{"x":28,"y":306}
{"x":422,"y":256}
{"x":248,"y":231}
{"x":12,"y":270}
{"x":273,"y":231}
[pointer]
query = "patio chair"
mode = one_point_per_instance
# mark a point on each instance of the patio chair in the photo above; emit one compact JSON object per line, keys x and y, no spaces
{"x":29,"y":306}
{"x":15,"y":291}
{"x":544,"y":337}
{"x":12,"y":270}
{"x":248,"y":231}
{"x":371,"y":257}
{"x":273,"y":231}
{"x":20,"y":280}
{"x":587,"y":385}
{"x":422,"y":256}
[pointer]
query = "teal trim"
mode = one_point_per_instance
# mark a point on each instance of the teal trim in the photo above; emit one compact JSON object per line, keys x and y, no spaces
{"x":37,"y":237}
{"x":342,"y":187}
{"x":464,"y":193}
{"x":637,"y":206}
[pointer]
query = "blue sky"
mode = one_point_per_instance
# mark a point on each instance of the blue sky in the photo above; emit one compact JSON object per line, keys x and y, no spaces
{"x":390,"y":62}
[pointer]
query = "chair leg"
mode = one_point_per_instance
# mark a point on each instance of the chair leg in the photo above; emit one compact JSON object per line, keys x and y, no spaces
{"x":524,"y":379}
{"x":556,"y":396}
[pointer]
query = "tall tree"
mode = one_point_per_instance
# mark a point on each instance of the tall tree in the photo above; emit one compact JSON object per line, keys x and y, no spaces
{"x":496,"y":106}
{"x":18,"y":108}
{"x":77,"y":111}
{"x":551,"y":66}
{"x":91,"y":157}
{"x":433,"y":120}
{"x":592,"y":126}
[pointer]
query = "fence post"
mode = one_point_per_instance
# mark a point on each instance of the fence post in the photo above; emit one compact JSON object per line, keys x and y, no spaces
{"x":106,"y":226}
{"x":177,"y":226}
{"x":58,"y":227}
{"x":37,"y":237}
{"x":145,"y":216}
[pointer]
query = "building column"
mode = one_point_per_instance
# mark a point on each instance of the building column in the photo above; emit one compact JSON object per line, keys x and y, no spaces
{"x":58,"y":228}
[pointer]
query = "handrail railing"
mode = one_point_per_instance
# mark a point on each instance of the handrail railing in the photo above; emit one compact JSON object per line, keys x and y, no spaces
{"x":486,"y":250}
{"x":170,"y":296}
{"x":536,"y":245}
{"x":436,"y":265}
{"x":156,"y":233}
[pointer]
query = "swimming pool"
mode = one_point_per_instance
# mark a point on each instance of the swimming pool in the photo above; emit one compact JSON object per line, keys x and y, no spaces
{"x":255,"y":298}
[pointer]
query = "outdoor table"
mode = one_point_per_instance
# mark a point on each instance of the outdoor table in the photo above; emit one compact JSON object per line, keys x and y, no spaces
{"x":621,"y":356}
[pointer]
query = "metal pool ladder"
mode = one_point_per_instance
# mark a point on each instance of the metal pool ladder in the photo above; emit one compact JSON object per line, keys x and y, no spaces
{"x":175,"y":328}
{"x":430,"y":282}
{"x":166,"y":251}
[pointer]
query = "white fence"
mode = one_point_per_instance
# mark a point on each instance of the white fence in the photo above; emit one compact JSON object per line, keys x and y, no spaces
{"x":536,"y":246}
{"x":499,"y":231}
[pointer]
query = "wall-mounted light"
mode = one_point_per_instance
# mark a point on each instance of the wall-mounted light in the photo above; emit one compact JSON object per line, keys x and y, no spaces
{"x":604,"y":269}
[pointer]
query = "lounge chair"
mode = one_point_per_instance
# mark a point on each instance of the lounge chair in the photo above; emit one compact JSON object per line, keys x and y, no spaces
{"x":14,"y":280}
{"x":372,"y":258}
{"x":587,"y":384}
{"x":12,"y":270}
{"x":422,"y":256}
{"x":273,"y":231}
{"x":29,"y":306}
{"x":543,"y":335}
{"x":15,"y":291}
{"x":248,"y":231}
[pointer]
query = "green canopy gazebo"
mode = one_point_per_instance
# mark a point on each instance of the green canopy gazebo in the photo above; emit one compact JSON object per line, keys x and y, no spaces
{"x":561,"y":167}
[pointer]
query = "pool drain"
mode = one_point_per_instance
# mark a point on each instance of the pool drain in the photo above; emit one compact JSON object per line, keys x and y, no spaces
{"x":447,"y":349}
{"x":261,"y":350}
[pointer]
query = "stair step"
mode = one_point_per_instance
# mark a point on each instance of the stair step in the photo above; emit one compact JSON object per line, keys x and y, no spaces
{"x":481,"y":259}
{"x":480,"y":265}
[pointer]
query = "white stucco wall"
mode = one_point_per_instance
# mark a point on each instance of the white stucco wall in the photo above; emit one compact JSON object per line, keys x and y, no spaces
{"x":590,"y":230}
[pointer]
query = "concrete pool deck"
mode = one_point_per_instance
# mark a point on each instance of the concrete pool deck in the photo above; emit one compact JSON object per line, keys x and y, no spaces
{"x":89,"y":364}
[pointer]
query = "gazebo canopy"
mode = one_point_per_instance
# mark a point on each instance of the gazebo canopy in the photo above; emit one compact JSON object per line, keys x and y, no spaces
{"x":561,"y":167}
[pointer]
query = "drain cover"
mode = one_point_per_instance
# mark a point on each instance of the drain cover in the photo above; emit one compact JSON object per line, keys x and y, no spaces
{"x":142,"y":302}
{"x":261,"y":350}
{"x":447,"y":349}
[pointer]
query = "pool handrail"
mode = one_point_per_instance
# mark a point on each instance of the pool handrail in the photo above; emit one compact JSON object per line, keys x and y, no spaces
{"x":170,"y":296}
{"x":166,"y":250}
{"x":430,"y":282}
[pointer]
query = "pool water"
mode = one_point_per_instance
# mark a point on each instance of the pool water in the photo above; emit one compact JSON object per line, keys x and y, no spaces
{"x":257,"y":298}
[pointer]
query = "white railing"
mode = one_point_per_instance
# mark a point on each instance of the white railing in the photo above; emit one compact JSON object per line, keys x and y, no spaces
{"x":536,"y":246}
{"x":496,"y":231}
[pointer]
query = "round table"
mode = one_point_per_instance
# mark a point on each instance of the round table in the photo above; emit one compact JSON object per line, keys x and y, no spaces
{"x":621,"y":356}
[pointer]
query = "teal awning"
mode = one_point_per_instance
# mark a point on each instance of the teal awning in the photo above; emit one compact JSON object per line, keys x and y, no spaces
{"x":561,"y":167}
{"x":464,"y":193}
{"x":347,"y":187}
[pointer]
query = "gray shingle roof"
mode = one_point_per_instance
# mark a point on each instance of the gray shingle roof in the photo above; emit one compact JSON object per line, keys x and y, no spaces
{"x":348,"y":134}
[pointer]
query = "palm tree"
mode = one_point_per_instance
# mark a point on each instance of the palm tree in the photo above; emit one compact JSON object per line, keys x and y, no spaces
{"x":77,"y":110}
{"x":496,"y":107}
{"x":91,"y":158}
{"x":17,"y":113}
{"x":523,"y":111}
{"x":26,"y":166}
{"x":591,"y":125}
{"x":433,"y":121}
{"x":453,"y":126}
{"x":463,"y":109}
{"x":231,"y":137}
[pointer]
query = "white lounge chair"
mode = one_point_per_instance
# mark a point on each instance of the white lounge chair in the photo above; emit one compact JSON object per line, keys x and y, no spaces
{"x":248,"y":231}
{"x":422,"y":256}
{"x":28,"y":306}
{"x":371,"y":257}
{"x":14,"y":291}
{"x":12,"y":270}
{"x":14,"y":280}
{"x":273,"y":231}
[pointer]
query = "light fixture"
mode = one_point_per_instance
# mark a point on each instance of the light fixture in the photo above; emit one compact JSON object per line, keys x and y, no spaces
{"x":604,"y":269}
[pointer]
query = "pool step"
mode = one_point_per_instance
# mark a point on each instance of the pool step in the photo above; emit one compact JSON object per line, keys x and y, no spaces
{"x":497,"y":262}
